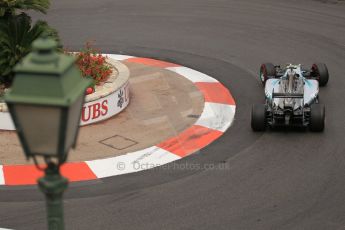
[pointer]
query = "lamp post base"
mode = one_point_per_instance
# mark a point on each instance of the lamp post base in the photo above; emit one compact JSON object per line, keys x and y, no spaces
{"x":53,"y":186}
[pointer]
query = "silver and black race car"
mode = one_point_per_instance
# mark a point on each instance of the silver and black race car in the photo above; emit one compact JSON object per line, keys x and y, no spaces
{"x":292,"y":98}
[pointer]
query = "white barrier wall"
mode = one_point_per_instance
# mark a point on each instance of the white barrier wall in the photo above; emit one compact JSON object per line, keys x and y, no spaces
{"x":105,"y":107}
{"x":93,"y":111}
{"x":6,"y":122}
{"x":105,"y":103}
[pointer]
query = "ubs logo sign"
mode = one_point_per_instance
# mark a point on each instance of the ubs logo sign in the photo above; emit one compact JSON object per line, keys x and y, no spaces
{"x":121,"y":99}
{"x":94,"y":111}
{"x":123,"y":96}
{"x":106,"y":107}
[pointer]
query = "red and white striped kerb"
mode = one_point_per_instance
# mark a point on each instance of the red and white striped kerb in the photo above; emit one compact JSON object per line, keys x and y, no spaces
{"x":217,"y":116}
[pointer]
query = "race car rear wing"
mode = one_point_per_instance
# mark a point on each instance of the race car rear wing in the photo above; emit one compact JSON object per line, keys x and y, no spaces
{"x":287,"y":95}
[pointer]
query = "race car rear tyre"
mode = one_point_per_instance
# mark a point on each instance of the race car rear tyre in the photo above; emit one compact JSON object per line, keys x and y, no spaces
{"x":267,"y":71}
{"x":320,"y":72}
{"x":317,"y":118}
{"x":258,"y":122}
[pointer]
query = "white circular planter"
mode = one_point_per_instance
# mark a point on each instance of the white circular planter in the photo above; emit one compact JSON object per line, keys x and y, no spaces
{"x":108,"y":100}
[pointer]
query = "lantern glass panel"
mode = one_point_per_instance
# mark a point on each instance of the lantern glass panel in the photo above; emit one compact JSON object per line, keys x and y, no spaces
{"x":73,"y":122}
{"x":40,"y":126}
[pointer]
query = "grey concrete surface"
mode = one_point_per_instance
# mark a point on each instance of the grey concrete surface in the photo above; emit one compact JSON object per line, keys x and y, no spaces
{"x":272,"y":180}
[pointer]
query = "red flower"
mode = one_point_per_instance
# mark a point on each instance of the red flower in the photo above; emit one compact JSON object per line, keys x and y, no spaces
{"x":93,"y":64}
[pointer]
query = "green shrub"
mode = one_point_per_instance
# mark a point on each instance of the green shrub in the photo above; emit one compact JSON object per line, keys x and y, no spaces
{"x":17,"y":33}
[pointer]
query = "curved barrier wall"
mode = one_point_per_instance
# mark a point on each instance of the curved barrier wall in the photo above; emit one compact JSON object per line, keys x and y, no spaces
{"x":106,"y":102}
{"x":105,"y":107}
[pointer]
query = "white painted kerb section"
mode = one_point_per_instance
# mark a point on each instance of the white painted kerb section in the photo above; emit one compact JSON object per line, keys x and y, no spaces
{"x":2,"y":178}
{"x":192,"y":75}
{"x":132,"y":162}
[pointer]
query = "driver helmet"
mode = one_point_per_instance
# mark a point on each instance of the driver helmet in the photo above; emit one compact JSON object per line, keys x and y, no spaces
{"x":291,"y":73}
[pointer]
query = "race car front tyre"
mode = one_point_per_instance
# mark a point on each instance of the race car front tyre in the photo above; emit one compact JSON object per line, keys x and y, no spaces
{"x":258,"y":121}
{"x":317,"y":118}
{"x":267,"y":71}
{"x":320,"y":71}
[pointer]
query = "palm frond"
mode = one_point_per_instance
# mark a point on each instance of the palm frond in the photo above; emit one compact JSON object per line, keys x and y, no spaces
{"x":12,"y":5}
{"x":37,"y":5}
{"x":16,"y":37}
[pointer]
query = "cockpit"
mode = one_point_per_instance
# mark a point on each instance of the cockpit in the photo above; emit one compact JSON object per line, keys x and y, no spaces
{"x":291,"y":80}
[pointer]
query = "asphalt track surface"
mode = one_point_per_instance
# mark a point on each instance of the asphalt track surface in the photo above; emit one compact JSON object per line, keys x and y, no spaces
{"x":286,"y":179}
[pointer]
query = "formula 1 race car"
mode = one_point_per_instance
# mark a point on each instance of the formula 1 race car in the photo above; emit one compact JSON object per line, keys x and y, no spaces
{"x":291,"y":97}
